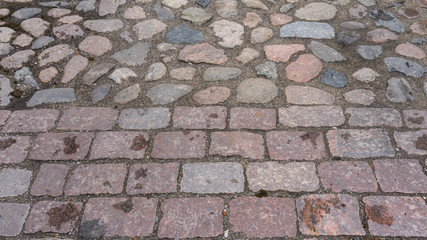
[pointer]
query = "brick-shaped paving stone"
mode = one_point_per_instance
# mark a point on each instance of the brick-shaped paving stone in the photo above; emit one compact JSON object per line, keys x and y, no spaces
{"x":4,"y":115}
{"x":295,"y":145}
{"x":200,"y":117}
{"x":122,"y":144}
{"x":348,"y":176}
{"x":370,"y":117}
{"x":152,"y":178}
{"x":14,"y":149}
{"x":53,"y":216}
{"x":252,"y":118}
{"x":396,"y":216}
{"x":273,"y":176}
{"x":415,"y":118}
{"x":244,"y":144}
{"x":263,"y":217}
{"x":96,"y":179}
{"x":222,"y":177}
{"x":401,"y":175}
{"x":14,"y":182}
{"x":187,"y":144}
{"x":191,"y":217}
{"x":311,"y":116}
{"x":106,"y":217}
{"x":329,"y":214}
{"x":38,"y":120}
{"x":12,"y":218}
{"x":88,"y":118}
{"x":355,"y":143}
{"x":148,"y":118}
{"x":61,"y":146}
{"x":412,"y":142}
{"x":50,"y":180}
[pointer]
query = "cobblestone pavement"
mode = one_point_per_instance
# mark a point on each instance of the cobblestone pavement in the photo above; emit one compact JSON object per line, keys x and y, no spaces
{"x":213,"y":119}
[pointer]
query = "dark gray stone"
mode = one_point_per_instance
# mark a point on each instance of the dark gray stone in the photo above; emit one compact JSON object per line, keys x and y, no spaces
{"x":399,"y":90}
{"x":221,"y":73}
{"x":184,"y":34}
{"x":419,"y":40}
{"x":353,"y":25}
{"x":24,"y":77}
{"x":5,"y":48}
{"x":133,"y":56}
{"x":369,"y":52}
{"x":409,"y":68}
{"x":347,"y":38}
{"x":303,"y":29}
{"x":42,"y":42}
{"x":164,"y":14}
{"x":100,"y":92}
{"x":25,"y":13}
{"x":325,"y":52}
{"x":166,"y":93}
{"x":55,"y":4}
{"x":86,"y":6}
{"x":385,"y":19}
{"x":203,"y":3}
{"x":52,"y":95}
{"x":92,"y":229}
{"x":96,"y":72}
{"x":334,"y":78}
{"x":267,"y":69}
{"x":286,"y":7}
{"x":367,"y":3}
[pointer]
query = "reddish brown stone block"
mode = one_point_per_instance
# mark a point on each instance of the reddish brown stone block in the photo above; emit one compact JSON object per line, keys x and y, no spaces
{"x":200,"y":117}
{"x":191,"y":217}
{"x":412,"y":142}
{"x":187,"y":144}
{"x":50,"y":180}
{"x":245,"y":144}
{"x":14,"y":149}
{"x":396,"y":216}
{"x":252,"y":118}
{"x":122,"y":144}
{"x":152,"y":178}
{"x":263,"y":217}
{"x":296,"y":145}
{"x":38,"y":120}
{"x":61,"y":146}
{"x":317,"y":116}
{"x":370,"y":117}
{"x":88,"y":118}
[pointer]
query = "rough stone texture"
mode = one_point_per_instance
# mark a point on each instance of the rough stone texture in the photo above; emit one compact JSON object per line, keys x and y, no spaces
{"x":148,"y":118}
{"x":230,"y":32}
{"x":197,"y":16}
{"x":95,"y":45}
{"x":202,"y":53}
{"x":184,"y":34}
{"x":222,"y":177}
{"x":252,"y":20}
{"x":366,"y":75}
{"x":277,"y":19}
{"x":212,"y":95}
{"x":399,"y":90}
{"x":67,"y":31}
{"x":163,"y":94}
{"x":350,"y":176}
{"x":88,"y":118}
{"x":226,"y":8}
{"x":14,"y":149}
{"x":152,"y":178}
{"x":412,"y":142}
{"x":305,"y":68}
{"x":316,"y":30}
{"x":104,"y":25}
{"x":38,"y":120}
{"x":360,"y":143}
{"x":308,"y":95}
{"x":52,"y":95}
{"x":185,"y":73}
{"x":380,"y":35}
{"x":13,"y":218}
{"x":316,"y":116}
{"x":410,"y":50}
{"x":247,"y":55}
{"x":252,"y":118}
{"x":50,"y":180}
{"x":264,"y":217}
{"x":135,"y":12}
{"x":318,"y":212}
{"x":109,"y":6}
{"x":295,"y":145}
{"x":14,"y":182}
{"x":133,"y":56}
{"x":360,"y":96}
{"x":128,"y":94}
{"x":17,"y":60}
{"x":104,"y":178}
{"x":409,"y":68}
{"x":97,"y":72}
{"x":244,"y":144}
{"x":282,"y":52}
{"x":256,"y":90}
{"x":260,"y":35}
{"x":221,"y":73}
{"x":273,"y":176}
{"x":200,"y":117}
{"x":54,"y":54}
{"x":120,"y":75}
{"x":325,"y":52}
{"x":334,"y":78}
{"x":35,"y":26}
{"x":370,"y":117}
{"x":369,"y":52}
{"x":61,"y":146}
{"x":415,"y":118}
{"x":148,"y":28}
{"x":110,"y":145}
{"x":316,"y":11}
{"x":201,"y":216}
{"x":172,"y":145}
{"x":44,"y":214}
{"x":119,"y":216}
{"x":46,"y":75}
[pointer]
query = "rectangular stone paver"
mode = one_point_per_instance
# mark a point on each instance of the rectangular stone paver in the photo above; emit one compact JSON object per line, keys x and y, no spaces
{"x":396,"y":216}
{"x":96,"y":179}
{"x":14,"y":149}
{"x":200,"y":117}
{"x":263,"y":217}
{"x":312,"y":116}
{"x":348,"y":176}
{"x":53,"y":216}
{"x":412,"y":142}
{"x":187,"y":144}
{"x":4,"y":114}
{"x":105,"y":217}
{"x":152,"y":178}
{"x":144,"y":118}
{"x":354,"y":143}
{"x":244,"y":144}
{"x":273,"y":176}
{"x":329,"y":214}
{"x":191,"y":217}
{"x":401,"y":175}
{"x":370,"y":117}
{"x":415,"y":118}
{"x":295,"y":145}
{"x":12,"y":218}
{"x":50,"y":180}
{"x":222,"y":177}
{"x":61,"y":146}
{"x":252,"y":118}
{"x":14,"y":182}
{"x":121,"y":144}
{"x":38,"y":120}
{"x":88,"y":118}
